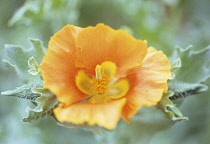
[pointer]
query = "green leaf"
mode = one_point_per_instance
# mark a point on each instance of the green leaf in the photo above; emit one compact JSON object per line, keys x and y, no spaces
{"x":8,"y":65}
{"x":45,"y":105}
{"x":195,"y":64}
{"x":38,"y":50}
{"x":17,"y":58}
{"x":170,"y":110}
{"x":24,"y":91}
{"x":187,"y":78}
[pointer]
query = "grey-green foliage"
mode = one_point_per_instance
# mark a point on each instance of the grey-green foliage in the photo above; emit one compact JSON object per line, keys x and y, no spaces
{"x":195,"y":64}
{"x":194,"y":71}
{"x":190,"y":69}
{"x":49,"y":11}
{"x":24,"y":91}
{"x":42,"y":98}
{"x":44,"y":105}
{"x":170,"y":110}
{"x":17,"y":57}
{"x":29,"y":72}
{"x":25,"y":63}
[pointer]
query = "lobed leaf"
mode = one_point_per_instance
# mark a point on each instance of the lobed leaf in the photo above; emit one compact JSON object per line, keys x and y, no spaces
{"x":45,"y":105}
{"x":17,"y":58}
{"x":24,"y":91}
{"x":195,"y":64}
{"x":170,"y":110}
{"x":189,"y":68}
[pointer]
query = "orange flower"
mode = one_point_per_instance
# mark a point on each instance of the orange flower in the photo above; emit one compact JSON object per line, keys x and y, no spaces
{"x":99,"y":75}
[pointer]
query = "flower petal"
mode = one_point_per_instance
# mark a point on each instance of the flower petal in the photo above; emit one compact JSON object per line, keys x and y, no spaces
{"x":109,"y":68}
{"x":147,"y":97}
{"x":155,"y":70}
{"x":103,"y":114}
{"x":83,"y":82}
{"x":99,"y":98}
{"x":118,"y":89}
{"x":101,"y":43}
{"x":150,"y":81}
{"x":65,"y":39}
{"x":58,"y":67}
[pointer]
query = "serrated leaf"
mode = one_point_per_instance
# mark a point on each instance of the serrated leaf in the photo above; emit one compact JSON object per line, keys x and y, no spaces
{"x":195,"y":64}
{"x":8,"y":65}
{"x":45,"y":105}
{"x":170,"y":110}
{"x":194,"y":69}
{"x":38,"y":50}
{"x":17,"y":58}
{"x":24,"y":91}
{"x":93,"y":128}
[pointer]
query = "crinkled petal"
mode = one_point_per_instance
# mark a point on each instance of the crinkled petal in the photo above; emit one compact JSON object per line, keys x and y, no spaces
{"x":109,"y":68}
{"x":65,"y":39}
{"x":118,"y":89}
{"x":147,"y":83}
{"x":58,"y":66}
{"x":102,"y":43}
{"x":103,"y":114}
{"x":135,"y":101}
{"x":83,"y":82}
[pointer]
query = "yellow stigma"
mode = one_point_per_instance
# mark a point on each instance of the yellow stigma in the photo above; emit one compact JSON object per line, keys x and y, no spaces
{"x":100,"y":81}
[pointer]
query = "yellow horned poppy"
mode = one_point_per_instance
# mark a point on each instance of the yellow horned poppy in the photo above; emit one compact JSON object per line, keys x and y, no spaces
{"x":99,"y":74}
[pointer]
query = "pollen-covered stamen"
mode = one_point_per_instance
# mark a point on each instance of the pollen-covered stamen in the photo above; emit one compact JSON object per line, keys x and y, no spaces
{"x":100,"y":81}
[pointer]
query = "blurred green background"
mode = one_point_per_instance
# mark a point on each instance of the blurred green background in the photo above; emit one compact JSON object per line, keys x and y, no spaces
{"x":163,"y":23}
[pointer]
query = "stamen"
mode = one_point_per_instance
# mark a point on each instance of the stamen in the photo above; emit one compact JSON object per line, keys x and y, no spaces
{"x":100,"y":81}
{"x":98,"y":72}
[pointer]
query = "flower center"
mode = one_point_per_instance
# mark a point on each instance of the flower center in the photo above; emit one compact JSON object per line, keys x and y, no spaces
{"x":103,"y":87}
{"x":100,"y":81}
